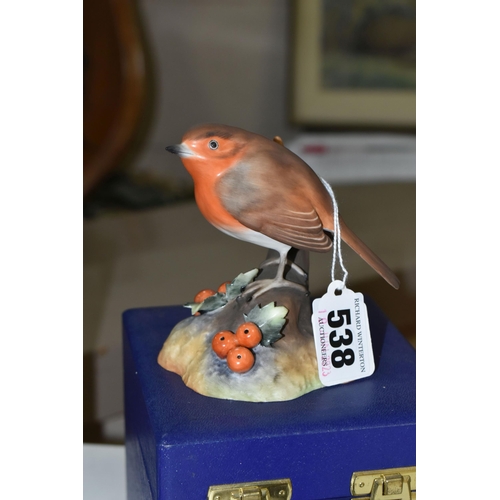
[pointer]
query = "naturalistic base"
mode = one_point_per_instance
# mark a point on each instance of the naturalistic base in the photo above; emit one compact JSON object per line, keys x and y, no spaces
{"x":285,"y":370}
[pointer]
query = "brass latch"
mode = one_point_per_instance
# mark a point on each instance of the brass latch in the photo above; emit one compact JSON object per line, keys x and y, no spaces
{"x":279,"y":489}
{"x":387,"y":484}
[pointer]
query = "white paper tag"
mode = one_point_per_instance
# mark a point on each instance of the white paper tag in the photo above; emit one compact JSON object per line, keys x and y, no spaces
{"x":342,"y":336}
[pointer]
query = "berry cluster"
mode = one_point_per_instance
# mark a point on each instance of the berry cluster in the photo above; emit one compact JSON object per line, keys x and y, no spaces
{"x":209,"y":300}
{"x":208,"y":292}
{"x":236,"y":348}
{"x":204,"y":294}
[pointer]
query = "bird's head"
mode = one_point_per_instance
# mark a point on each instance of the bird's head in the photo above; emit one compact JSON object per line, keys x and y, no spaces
{"x":209,"y":150}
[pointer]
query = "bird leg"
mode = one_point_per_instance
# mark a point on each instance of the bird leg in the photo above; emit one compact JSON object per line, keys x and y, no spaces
{"x":259,"y":287}
{"x":292,"y":265}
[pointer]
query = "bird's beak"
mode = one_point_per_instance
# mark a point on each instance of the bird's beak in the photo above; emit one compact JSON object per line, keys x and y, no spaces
{"x":180,"y":149}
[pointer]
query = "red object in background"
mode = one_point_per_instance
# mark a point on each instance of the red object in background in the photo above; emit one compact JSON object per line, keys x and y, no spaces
{"x":317,"y":149}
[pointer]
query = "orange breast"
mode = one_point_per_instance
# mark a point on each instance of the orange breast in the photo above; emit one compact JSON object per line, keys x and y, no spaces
{"x":205,"y":178}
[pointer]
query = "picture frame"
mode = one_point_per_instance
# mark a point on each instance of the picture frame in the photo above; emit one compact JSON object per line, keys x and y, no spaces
{"x":390,"y":103}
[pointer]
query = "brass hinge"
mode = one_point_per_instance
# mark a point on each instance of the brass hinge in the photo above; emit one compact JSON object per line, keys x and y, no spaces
{"x":279,"y":489}
{"x":387,"y":484}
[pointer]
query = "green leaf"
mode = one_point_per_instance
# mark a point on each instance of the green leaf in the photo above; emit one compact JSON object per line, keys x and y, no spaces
{"x":194,"y":306}
{"x":209,"y":304}
{"x":239,"y":283}
{"x":213,"y":302}
{"x":270,"y":338}
{"x":221,"y":299}
{"x":270,"y":319}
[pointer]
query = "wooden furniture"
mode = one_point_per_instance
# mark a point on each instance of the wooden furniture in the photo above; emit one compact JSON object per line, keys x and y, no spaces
{"x":113,"y":87}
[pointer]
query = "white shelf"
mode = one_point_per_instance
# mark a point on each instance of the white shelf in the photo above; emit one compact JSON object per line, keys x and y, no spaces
{"x":358,"y":158}
{"x":104,"y":475}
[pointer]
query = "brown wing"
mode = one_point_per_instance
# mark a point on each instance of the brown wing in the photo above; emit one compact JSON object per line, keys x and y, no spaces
{"x":270,"y":193}
{"x":302,"y":230}
{"x":276,"y":193}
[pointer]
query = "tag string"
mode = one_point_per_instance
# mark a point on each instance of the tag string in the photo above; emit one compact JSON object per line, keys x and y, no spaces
{"x":337,"y":241}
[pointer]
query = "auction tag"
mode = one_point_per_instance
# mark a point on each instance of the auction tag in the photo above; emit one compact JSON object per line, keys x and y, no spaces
{"x":342,"y":336}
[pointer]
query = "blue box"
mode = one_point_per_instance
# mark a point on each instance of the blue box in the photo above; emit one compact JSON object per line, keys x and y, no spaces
{"x":179,"y":443}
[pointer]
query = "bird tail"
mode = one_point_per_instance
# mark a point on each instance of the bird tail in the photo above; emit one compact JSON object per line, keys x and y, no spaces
{"x":367,"y":255}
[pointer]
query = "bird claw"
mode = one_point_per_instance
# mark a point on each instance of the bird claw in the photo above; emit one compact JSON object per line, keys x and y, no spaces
{"x":258,"y":288}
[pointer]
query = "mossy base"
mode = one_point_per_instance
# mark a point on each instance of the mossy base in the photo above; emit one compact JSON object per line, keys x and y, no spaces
{"x":283,"y":371}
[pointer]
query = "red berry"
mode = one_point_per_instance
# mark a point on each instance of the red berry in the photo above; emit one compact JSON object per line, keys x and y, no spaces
{"x":249,"y":334}
{"x":222,"y":288}
{"x":203,"y":294}
{"x":223,"y":342}
{"x":240,"y":359}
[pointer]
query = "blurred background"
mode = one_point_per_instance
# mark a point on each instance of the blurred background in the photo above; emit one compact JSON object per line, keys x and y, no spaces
{"x":334,"y":78}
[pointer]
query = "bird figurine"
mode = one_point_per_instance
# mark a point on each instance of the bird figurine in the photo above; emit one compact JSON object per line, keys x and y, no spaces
{"x":257,"y":190}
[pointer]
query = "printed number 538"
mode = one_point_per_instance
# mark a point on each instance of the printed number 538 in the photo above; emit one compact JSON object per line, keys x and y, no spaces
{"x":346,"y":356}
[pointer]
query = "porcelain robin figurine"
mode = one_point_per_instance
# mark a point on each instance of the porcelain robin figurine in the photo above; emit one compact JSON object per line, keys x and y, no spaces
{"x":257,"y":190}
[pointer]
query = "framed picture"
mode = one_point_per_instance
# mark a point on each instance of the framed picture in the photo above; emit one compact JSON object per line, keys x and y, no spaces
{"x":354,"y":63}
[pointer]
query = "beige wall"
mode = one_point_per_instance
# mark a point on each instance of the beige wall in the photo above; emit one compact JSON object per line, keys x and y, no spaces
{"x":220,"y":61}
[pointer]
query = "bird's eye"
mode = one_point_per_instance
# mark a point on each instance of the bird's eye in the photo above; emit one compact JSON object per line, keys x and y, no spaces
{"x":213,"y":144}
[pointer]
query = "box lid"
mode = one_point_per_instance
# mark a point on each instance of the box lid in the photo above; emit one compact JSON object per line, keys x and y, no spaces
{"x":190,"y":442}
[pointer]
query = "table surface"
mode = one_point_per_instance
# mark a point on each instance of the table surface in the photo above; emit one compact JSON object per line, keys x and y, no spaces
{"x":104,"y":472}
